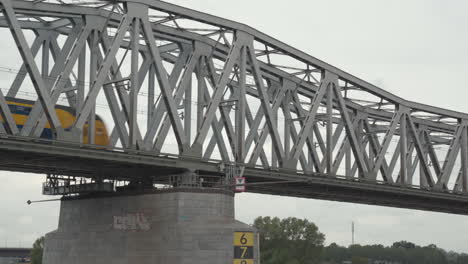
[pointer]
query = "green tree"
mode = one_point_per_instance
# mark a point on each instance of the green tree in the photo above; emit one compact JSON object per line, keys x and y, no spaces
{"x":462,"y":259}
{"x":400,"y":252}
{"x":37,"y":250}
{"x":404,"y":244}
{"x":289,"y":241}
{"x":335,"y":253}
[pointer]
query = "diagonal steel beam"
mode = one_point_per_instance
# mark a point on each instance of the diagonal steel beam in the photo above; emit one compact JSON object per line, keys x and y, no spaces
{"x":158,"y":111}
{"x":265,"y":103}
{"x":267,"y":129}
{"x":179,"y":93}
{"x":255,"y":124}
{"x":333,"y":142}
{"x":120,"y":131}
{"x":301,"y":114}
{"x":217,"y":127}
{"x":31,"y":66}
{"x":421,"y":155}
{"x":21,"y":75}
{"x":60,"y":72}
{"x":355,"y":166}
{"x":103,"y":72}
{"x":225,"y":119}
{"x":432,"y":153}
{"x":385,"y":145}
{"x":355,"y":144}
{"x":291,"y":130}
{"x":376,"y":149}
{"x":165,"y":87}
{"x":344,"y":150}
{"x":310,"y":119}
{"x":56,"y":51}
{"x":219,"y":89}
{"x":8,"y":122}
{"x":450,"y":159}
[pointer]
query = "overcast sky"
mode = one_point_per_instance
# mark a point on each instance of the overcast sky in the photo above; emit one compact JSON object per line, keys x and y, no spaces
{"x":416,"y":49}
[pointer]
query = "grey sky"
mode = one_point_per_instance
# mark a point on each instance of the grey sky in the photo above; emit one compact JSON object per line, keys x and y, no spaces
{"x":416,"y":49}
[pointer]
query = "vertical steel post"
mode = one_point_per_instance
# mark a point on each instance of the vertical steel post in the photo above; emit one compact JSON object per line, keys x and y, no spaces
{"x":188,"y":109}
{"x":151,"y":95}
{"x":45,"y":62}
{"x":464,"y":159}
{"x":94,"y":41}
{"x":348,"y":165}
{"x":422,"y":173}
{"x":403,"y":150}
{"x":287,"y":126}
{"x":329,"y":151}
{"x":201,"y":85}
{"x":134,"y":83}
{"x":241,"y":106}
{"x":80,"y":84}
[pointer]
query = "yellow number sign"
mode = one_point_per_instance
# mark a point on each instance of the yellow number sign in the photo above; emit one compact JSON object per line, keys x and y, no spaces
{"x":243,"y":248}
{"x":244,"y":239}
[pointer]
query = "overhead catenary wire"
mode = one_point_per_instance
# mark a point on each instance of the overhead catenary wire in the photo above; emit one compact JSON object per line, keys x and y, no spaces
{"x":140,"y":112}
{"x":141,"y":93}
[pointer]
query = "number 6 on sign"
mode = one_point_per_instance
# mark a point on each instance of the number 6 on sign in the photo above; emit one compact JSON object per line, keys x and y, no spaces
{"x":244,"y":239}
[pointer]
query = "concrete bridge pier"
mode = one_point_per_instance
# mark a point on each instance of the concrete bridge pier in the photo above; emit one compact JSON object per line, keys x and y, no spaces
{"x":174,"y":226}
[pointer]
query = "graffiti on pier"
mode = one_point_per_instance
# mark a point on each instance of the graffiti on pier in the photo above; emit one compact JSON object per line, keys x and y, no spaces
{"x":131,"y":222}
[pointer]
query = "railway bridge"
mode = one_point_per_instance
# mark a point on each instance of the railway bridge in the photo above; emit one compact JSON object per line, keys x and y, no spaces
{"x":109,"y":96}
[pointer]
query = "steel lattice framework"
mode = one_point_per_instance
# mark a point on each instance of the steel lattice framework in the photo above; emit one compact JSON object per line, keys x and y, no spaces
{"x":180,"y":89}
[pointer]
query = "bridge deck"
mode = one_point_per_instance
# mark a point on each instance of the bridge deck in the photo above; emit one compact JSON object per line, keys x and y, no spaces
{"x":63,"y":158}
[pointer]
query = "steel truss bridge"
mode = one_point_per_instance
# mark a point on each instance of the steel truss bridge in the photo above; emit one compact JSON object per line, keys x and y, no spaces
{"x":182,"y":90}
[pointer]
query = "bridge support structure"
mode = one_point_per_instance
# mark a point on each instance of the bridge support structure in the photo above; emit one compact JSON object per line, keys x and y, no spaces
{"x":162,"y":226}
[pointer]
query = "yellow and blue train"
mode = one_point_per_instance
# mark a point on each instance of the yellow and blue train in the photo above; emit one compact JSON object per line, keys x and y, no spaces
{"x":20,"y":109}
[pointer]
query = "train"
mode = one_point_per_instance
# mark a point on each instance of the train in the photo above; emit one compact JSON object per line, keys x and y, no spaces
{"x":20,"y":109}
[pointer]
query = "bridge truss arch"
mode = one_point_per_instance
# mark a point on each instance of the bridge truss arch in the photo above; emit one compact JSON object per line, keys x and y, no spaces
{"x":180,"y":89}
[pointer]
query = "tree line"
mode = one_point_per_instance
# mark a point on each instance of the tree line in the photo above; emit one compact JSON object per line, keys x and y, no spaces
{"x":299,"y":241}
